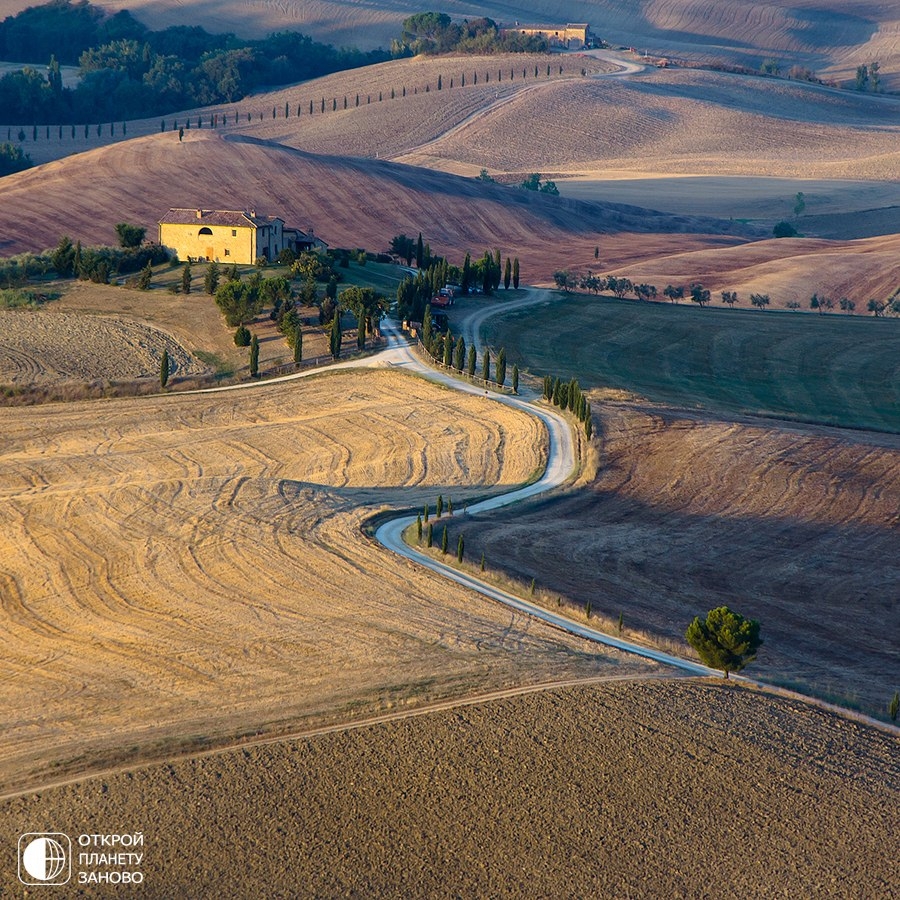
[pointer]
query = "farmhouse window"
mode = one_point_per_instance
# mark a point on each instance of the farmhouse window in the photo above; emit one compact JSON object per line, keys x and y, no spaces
{"x":234,"y":232}
{"x":227,"y":252}
{"x":205,"y":231}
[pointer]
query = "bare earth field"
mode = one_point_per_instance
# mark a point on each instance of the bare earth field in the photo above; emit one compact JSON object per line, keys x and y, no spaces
{"x":650,"y":789}
{"x":793,"y":526}
{"x":40,"y":347}
{"x":183,"y":570}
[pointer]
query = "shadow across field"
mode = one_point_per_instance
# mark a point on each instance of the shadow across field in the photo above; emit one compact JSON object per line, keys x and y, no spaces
{"x":825,"y":594}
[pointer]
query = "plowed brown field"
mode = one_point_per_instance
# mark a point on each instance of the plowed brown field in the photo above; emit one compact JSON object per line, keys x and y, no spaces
{"x":793,"y":526}
{"x":654,"y":789}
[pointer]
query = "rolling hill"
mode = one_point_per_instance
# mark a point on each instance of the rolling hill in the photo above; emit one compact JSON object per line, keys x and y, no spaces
{"x":348,"y":201}
{"x":825,"y":35}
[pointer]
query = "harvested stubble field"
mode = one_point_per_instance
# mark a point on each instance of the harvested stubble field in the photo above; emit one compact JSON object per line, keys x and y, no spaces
{"x":342,"y":197}
{"x":681,"y":122}
{"x":652,"y":789}
{"x":793,"y":526}
{"x":833,"y":369}
{"x":417,"y":112}
{"x":179,"y":571}
{"x":46,"y":347}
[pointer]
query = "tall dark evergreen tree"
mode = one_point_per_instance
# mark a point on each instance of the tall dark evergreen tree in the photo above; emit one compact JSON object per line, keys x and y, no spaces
{"x":448,"y":349}
{"x":460,"y":354}
{"x":501,"y":367}
{"x":211,"y":279}
{"x":336,"y":334}
{"x":445,"y":541}
{"x":515,"y":379}
{"x":465,"y":281}
{"x":186,"y":279}
{"x":471,"y":361}
{"x":254,"y":356}
{"x":298,"y":342}
{"x":515,"y":273}
{"x":164,"y":369}
{"x":486,"y":365}
{"x":460,"y":548}
{"x":507,"y":274}
{"x":420,"y":251}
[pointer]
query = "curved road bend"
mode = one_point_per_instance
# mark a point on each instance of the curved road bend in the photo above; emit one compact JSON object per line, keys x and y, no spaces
{"x":559,"y":467}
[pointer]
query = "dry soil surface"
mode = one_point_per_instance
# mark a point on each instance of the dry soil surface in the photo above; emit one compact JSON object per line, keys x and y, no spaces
{"x":650,"y":789}
{"x":794,"y":526}
{"x":178,"y":571}
{"x":45,"y":347}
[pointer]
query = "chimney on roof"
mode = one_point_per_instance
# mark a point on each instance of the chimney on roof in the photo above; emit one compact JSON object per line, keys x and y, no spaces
{"x":199,"y":213}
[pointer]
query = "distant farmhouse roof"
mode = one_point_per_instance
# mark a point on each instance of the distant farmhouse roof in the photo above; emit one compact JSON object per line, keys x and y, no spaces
{"x":227,"y":217}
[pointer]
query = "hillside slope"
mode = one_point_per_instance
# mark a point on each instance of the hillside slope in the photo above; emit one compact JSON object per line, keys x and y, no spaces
{"x":349,"y":201}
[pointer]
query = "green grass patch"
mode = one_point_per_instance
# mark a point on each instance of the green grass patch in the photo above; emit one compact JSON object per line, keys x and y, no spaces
{"x":383,"y":277}
{"x":831,"y":369}
{"x":26,"y":298}
{"x":223,"y":369}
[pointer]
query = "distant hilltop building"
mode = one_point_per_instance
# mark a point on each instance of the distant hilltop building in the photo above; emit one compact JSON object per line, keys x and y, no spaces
{"x":572,"y":36}
{"x":233,"y":236}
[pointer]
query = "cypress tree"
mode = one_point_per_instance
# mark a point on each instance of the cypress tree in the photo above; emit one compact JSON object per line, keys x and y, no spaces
{"x":164,"y":369}
{"x":515,"y":273}
{"x":448,"y":349}
{"x":211,"y":279}
{"x":430,"y":539}
{"x":460,"y":356}
{"x":449,"y":506}
{"x":501,"y":367}
{"x":298,"y":343}
{"x":420,"y":252}
{"x":482,"y":561}
{"x":419,"y":528}
{"x":466,"y":277}
{"x":515,"y":379}
{"x":439,"y":84}
{"x":426,"y":513}
{"x":507,"y":274}
{"x":336,"y":334}
{"x":445,"y":540}
{"x":186,"y":279}
{"x":145,"y":277}
{"x":588,"y":428}
{"x":426,"y":325}
{"x":470,"y":362}
{"x":254,"y":356}
{"x":496,"y":271}
{"x":440,"y":505}
{"x":460,"y":548}
{"x":361,"y":333}
{"x":486,"y":366}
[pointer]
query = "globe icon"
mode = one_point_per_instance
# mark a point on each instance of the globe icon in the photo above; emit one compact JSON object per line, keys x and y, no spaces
{"x":44,"y":859}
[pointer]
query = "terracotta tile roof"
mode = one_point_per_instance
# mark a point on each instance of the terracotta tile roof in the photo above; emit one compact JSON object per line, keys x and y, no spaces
{"x":228,"y":217}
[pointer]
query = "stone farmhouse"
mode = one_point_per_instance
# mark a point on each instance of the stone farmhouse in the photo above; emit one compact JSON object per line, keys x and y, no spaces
{"x":230,"y":236}
{"x":572,"y":36}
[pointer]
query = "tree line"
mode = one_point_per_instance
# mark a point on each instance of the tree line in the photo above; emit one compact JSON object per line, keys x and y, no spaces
{"x":697,"y":293}
{"x":129,"y":71}
{"x":433,"y":32}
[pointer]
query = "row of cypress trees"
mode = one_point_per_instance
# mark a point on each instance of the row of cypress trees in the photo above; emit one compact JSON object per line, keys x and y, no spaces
{"x":567,"y":395}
